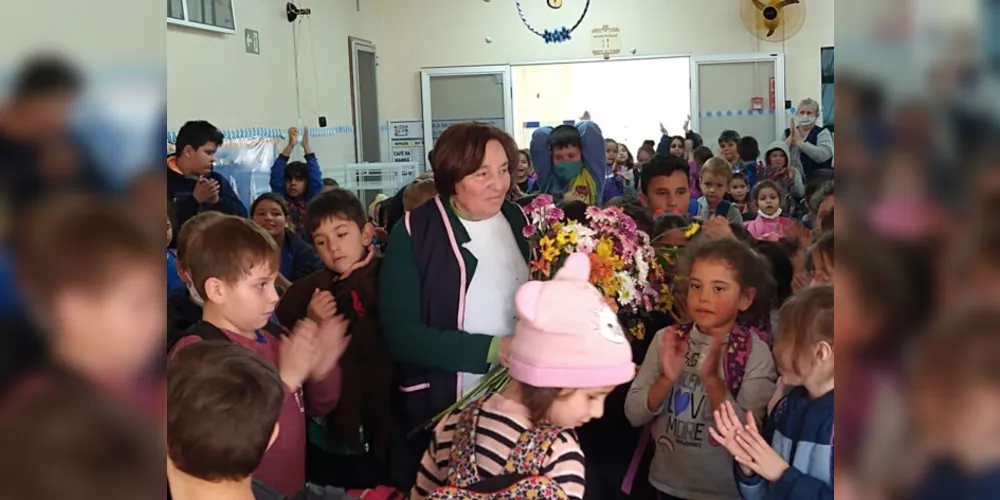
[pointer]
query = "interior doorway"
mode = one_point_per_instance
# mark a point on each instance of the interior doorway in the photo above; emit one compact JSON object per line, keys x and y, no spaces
{"x":364,"y":101}
{"x":627,"y":98}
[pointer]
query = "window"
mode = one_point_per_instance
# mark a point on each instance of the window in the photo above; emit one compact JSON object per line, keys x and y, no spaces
{"x":826,"y":65}
{"x":211,"y":15}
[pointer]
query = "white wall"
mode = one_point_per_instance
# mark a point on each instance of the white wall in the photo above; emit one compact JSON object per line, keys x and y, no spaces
{"x":210,"y":76}
{"x":431,"y":33}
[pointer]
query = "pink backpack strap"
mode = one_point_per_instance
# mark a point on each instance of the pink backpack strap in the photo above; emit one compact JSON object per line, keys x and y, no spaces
{"x":736,"y":357}
{"x":633,"y":466}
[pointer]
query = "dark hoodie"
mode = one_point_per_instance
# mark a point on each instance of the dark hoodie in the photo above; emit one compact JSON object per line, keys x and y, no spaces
{"x":366,"y":365}
{"x":794,"y":187}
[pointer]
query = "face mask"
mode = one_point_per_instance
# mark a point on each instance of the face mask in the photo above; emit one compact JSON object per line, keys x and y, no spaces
{"x":805,"y":120}
{"x":567,"y":170}
{"x":195,"y":296}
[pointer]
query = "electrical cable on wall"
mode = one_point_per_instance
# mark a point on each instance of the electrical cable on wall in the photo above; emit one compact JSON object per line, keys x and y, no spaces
{"x":295,"y":16}
{"x":295,"y":54}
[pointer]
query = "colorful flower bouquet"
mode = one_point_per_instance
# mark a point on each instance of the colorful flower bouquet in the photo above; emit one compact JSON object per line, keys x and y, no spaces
{"x":633,"y":276}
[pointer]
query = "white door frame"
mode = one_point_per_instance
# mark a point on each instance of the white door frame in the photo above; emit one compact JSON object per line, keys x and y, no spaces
{"x":359,"y":45}
{"x":779,"y":84}
{"x":425,"y":94}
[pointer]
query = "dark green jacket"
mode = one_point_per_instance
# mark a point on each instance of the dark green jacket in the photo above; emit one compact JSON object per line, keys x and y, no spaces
{"x":401,"y":300}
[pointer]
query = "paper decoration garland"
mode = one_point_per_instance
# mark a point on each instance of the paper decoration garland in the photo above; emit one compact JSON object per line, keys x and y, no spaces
{"x":557,"y":35}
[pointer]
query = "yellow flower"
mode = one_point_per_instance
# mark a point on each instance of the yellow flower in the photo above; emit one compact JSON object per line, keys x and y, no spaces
{"x":638,"y":330}
{"x":549,"y":253}
{"x":666,"y":302}
{"x":604,"y":249}
{"x":566,"y":238}
{"x":692,"y":230}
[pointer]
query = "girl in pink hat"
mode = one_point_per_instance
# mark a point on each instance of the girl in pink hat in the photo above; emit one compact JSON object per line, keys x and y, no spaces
{"x":567,"y":353}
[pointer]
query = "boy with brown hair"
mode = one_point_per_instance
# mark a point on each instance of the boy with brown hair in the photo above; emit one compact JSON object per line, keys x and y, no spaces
{"x":223,"y":405}
{"x":715,"y":176}
{"x":338,"y":452}
{"x":184,"y":304}
{"x":233,"y":265}
{"x":95,"y":274}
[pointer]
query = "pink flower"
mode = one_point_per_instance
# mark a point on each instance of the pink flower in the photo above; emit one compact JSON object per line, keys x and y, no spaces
{"x":528,"y":231}
{"x":539,"y":202}
{"x":553,"y":215}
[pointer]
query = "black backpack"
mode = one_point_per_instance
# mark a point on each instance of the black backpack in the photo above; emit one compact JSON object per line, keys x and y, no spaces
{"x":722,"y":209}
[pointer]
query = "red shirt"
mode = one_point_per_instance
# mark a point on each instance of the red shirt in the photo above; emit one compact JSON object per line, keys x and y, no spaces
{"x":284,"y":465}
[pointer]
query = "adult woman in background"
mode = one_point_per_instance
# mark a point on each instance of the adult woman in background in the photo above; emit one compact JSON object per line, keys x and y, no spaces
{"x":810,"y":145}
{"x":447,"y":284}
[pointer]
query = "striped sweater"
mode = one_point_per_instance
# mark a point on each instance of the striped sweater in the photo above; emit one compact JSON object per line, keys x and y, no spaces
{"x":501,"y":422}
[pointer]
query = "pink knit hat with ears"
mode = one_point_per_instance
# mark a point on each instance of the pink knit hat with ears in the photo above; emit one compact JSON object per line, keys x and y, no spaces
{"x":567,"y":336}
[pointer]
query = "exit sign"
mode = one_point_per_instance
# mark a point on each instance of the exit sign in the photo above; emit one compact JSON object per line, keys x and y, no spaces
{"x":252,"y":41}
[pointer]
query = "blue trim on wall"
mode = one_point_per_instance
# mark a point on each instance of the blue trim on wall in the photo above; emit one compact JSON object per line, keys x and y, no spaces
{"x":275,"y":133}
{"x":740,"y":112}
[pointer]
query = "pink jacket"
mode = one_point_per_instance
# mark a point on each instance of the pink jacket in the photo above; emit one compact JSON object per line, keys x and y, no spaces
{"x":761,"y":227}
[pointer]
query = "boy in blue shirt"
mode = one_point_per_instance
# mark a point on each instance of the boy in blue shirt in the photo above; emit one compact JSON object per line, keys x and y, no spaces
{"x":192,"y":185}
{"x":298,"y":182}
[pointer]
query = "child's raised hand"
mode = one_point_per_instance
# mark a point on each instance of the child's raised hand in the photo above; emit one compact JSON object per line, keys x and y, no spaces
{"x":687,"y":124}
{"x":672,"y":351}
{"x":663,"y":129}
{"x":293,"y":136}
{"x":305,"y":138}
{"x":322,"y":306}
{"x":759,"y":457}
{"x":331,"y":342}
{"x":727,"y":425}
{"x":297,"y":353}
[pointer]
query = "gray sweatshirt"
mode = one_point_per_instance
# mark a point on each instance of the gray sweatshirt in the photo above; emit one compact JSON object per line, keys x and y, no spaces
{"x":686,"y":464}
{"x":704,"y":213}
{"x":819,"y":153}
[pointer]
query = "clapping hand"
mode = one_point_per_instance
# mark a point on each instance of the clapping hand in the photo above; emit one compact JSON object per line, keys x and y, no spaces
{"x":710,"y":368}
{"x":293,"y":136}
{"x":296,"y":354}
{"x":331,"y":342}
{"x":727,"y":426}
{"x":673,"y":348}
{"x":758,"y":455}
{"x":206,"y":190}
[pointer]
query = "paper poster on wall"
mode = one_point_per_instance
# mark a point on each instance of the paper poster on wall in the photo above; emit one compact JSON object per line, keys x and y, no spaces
{"x":439,"y":126}
{"x":406,"y":141}
{"x":406,"y":137}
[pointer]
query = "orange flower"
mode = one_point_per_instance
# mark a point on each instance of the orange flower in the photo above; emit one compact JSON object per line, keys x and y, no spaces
{"x":541,"y":267}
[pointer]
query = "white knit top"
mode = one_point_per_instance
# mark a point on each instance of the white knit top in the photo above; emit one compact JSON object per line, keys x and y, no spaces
{"x":500,"y":270}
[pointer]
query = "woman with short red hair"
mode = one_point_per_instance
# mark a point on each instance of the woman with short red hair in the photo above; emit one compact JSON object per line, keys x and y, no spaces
{"x":447,"y":285}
